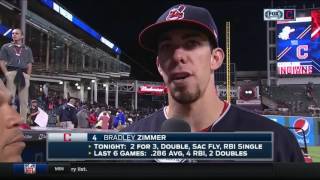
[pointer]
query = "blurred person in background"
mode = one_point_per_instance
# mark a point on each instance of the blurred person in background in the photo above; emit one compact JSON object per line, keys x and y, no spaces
{"x":120,"y":120}
{"x":92,"y":118}
{"x":34,"y":111}
{"x":68,"y":116}
{"x":83,"y":116}
{"x":16,"y":64}
{"x":103,"y":121}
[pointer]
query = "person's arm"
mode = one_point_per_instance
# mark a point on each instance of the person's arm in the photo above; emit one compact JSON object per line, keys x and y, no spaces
{"x":30,"y":61}
{"x":123,"y":119}
{"x":29,"y":69}
{"x":59,"y":114}
{"x":74,"y":118}
{"x":35,"y":113}
{"x":3,"y":59}
{"x":3,"y":67}
{"x":100,"y":116}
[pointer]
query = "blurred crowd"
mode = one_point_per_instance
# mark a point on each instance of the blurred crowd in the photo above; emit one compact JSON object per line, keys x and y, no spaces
{"x":71,"y":113}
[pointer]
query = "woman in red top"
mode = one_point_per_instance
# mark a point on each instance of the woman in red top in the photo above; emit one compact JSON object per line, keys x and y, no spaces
{"x":92,"y":118}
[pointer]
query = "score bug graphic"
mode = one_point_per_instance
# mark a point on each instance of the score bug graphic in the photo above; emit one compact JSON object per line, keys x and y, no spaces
{"x":279,"y":14}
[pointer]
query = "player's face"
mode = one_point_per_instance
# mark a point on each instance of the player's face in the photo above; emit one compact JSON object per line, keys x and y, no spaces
{"x":11,"y":137}
{"x":184,"y":63}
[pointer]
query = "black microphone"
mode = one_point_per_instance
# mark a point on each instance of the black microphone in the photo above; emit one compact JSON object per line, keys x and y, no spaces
{"x":175,"y":125}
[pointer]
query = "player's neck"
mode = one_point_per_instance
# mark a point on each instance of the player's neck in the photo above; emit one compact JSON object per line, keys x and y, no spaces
{"x":201,"y":113}
{"x":18,"y":42}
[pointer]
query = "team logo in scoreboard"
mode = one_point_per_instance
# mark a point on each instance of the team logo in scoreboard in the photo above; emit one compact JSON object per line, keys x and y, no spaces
{"x":30,"y":168}
{"x":301,"y":124}
{"x":67,"y":137}
{"x":279,"y":14}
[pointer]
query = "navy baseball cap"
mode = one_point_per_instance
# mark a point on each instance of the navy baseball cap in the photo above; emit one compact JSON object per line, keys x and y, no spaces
{"x":181,"y":15}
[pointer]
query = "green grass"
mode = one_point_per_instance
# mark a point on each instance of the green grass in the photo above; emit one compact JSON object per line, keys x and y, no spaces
{"x":314,"y":152}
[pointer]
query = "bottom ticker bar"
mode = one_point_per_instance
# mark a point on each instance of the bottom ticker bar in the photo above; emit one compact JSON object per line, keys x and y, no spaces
{"x":187,"y":170}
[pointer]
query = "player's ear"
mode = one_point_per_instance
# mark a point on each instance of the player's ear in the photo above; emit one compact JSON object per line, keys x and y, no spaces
{"x":159,"y":67}
{"x":217,"y":57}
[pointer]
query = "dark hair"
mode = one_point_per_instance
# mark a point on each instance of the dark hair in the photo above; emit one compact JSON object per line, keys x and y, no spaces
{"x":18,"y":29}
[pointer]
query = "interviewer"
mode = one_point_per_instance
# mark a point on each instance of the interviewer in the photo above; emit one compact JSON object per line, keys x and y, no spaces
{"x":11,"y":137}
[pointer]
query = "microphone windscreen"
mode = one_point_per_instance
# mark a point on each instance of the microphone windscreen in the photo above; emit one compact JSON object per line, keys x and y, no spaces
{"x":175,"y":125}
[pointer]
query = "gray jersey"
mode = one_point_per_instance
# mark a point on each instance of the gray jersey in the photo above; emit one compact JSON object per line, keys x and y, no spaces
{"x":16,"y":57}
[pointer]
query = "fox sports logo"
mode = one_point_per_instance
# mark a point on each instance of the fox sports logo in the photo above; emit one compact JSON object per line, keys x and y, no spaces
{"x":301,"y":124}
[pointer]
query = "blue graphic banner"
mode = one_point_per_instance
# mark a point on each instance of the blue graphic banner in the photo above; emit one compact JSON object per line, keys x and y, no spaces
{"x":239,"y":146}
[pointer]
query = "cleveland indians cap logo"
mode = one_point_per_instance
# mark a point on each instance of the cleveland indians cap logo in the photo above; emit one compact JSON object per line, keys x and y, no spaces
{"x":176,"y":13}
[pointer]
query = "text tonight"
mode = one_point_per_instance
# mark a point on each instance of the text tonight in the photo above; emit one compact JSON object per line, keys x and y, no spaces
{"x":135,"y":137}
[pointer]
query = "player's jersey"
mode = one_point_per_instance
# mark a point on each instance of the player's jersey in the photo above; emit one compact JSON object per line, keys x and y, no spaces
{"x":286,"y":148}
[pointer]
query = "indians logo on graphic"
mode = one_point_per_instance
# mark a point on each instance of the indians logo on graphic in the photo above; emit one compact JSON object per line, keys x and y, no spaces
{"x":301,"y":124}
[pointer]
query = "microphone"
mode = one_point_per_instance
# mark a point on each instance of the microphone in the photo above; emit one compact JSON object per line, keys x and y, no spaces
{"x":175,"y":125}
